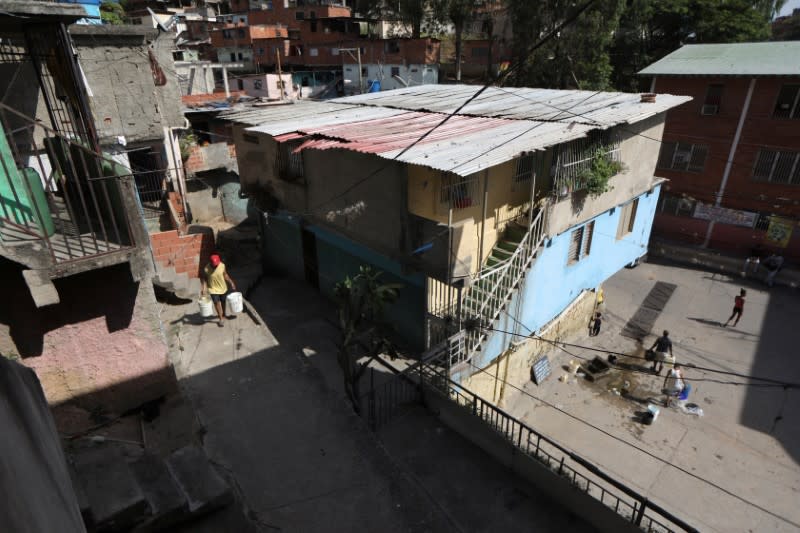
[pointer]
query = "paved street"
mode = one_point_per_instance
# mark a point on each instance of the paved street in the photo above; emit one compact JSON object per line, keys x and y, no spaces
{"x":276,"y":423}
{"x":747,"y":444}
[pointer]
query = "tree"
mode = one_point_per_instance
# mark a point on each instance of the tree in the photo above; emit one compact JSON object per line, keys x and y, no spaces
{"x":361,"y":300}
{"x":459,"y":13}
{"x":112,"y":12}
{"x":578,"y":57}
{"x":787,"y":29}
{"x":650,"y":29}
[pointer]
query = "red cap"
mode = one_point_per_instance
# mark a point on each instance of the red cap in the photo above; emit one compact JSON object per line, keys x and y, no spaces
{"x":215,"y":260}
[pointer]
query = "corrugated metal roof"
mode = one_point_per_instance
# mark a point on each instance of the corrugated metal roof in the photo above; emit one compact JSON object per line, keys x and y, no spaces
{"x":462,"y":145}
{"x":781,"y":58}
{"x":496,"y":127}
{"x":602,"y":109}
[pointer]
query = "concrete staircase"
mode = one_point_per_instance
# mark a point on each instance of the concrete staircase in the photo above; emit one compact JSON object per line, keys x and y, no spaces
{"x":178,"y":283}
{"x":145,"y":493}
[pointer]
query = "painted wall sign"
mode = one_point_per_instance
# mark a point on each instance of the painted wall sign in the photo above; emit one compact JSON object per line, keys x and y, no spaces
{"x":724,"y":215}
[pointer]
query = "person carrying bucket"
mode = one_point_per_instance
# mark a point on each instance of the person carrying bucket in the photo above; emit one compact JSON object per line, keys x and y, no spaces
{"x":215,"y":283}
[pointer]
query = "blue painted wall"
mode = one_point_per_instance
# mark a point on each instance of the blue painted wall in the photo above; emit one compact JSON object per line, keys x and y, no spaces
{"x":338,"y":257}
{"x":281,"y":245}
{"x":551,"y":284}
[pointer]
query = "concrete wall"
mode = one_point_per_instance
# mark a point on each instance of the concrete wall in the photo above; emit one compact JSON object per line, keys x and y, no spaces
{"x":266,"y":86}
{"x":552,"y":284}
{"x":559,"y":488}
{"x":216,"y":196}
{"x":37,"y":491}
{"x":195,"y":77}
{"x":125,"y":100}
{"x":413,"y":74}
{"x":639,"y":154}
{"x":336,"y":258}
{"x":100,"y":349}
{"x":504,"y":201}
{"x":219,"y":155}
{"x":514,"y":365}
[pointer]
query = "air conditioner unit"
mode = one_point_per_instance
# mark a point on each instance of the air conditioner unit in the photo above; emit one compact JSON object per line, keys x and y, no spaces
{"x":709,"y":109}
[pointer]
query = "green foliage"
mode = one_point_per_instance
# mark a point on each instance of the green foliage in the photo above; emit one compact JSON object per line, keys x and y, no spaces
{"x":650,"y":29}
{"x":361,"y":301}
{"x":185,"y":143}
{"x":595,"y":178}
{"x":112,"y":12}
{"x":578,"y":58}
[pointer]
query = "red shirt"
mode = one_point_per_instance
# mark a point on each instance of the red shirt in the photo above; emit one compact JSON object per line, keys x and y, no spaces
{"x":739,"y":303}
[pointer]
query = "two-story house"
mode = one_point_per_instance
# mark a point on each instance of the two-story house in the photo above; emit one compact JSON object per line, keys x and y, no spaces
{"x":74,"y":249}
{"x":732,"y":154}
{"x":485,"y":216}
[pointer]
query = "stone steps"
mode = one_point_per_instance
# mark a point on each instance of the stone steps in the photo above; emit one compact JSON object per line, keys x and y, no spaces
{"x":180,"y":284}
{"x":146,"y":493}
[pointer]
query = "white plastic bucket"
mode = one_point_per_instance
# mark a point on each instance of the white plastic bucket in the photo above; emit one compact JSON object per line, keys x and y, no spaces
{"x":206,"y":307}
{"x":235,"y":302}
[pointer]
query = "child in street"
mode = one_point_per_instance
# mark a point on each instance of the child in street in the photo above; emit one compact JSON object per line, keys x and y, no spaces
{"x":738,"y":308}
{"x":673,"y":383}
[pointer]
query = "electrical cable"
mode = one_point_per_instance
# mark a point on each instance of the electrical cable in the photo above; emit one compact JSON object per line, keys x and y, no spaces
{"x":635,"y":447}
{"x":559,"y":344}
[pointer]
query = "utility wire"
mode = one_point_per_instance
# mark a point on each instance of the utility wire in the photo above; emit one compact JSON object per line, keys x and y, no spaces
{"x":569,"y":20}
{"x":768,"y":381}
{"x":635,"y":447}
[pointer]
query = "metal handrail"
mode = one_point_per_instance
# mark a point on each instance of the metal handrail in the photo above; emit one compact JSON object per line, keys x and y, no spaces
{"x":636,"y":508}
{"x":503,"y":280}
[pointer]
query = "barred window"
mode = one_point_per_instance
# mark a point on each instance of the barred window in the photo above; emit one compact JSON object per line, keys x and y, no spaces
{"x":777,"y":167}
{"x":677,"y":205}
{"x":459,"y":192}
{"x":524,"y":171}
{"x":682,"y":156}
{"x":788,"y":103}
{"x":290,"y":163}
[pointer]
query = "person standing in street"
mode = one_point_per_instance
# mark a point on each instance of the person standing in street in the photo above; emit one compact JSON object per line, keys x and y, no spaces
{"x":594,"y":329}
{"x":662,"y":348}
{"x":773,"y":264}
{"x":738,"y":309}
{"x":673,"y":383}
{"x":215,"y":283}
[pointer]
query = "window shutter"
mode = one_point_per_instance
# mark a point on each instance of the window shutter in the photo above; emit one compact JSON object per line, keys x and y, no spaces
{"x":665,"y":155}
{"x":587,"y":239}
{"x":576,"y":238}
{"x":632,"y":214}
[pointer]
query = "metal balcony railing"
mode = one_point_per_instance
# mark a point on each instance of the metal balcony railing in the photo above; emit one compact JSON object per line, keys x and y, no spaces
{"x":573,"y":159}
{"x":59,"y":200}
{"x":583,"y":474}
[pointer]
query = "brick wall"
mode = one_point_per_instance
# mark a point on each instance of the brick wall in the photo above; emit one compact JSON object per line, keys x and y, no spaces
{"x":185,"y":253}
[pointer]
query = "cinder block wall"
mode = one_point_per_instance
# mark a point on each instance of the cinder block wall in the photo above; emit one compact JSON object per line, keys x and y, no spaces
{"x":185,"y":253}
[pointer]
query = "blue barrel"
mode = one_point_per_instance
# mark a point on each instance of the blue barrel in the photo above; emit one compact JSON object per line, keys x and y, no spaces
{"x":374,"y":86}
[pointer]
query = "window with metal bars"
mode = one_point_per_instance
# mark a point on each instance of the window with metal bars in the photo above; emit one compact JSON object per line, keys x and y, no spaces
{"x":290,"y":163}
{"x":788,"y":103}
{"x":525,"y":166}
{"x":572,"y":159}
{"x":677,"y":205}
{"x":713,"y":99}
{"x":627,"y":218}
{"x":682,"y":156}
{"x":459,"y":192}
{"x":580,"y":243}
{"x":777,"y":167}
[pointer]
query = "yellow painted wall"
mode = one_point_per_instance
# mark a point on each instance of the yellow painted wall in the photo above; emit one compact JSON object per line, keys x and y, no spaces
{"x":504,"y":201}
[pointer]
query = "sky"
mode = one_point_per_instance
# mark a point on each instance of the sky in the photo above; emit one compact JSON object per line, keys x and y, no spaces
{"x":787,"y":9}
